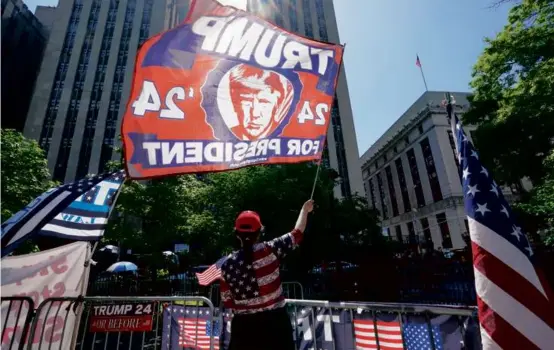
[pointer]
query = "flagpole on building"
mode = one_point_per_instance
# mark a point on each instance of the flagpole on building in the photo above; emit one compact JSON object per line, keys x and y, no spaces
{"x":418,"y":63}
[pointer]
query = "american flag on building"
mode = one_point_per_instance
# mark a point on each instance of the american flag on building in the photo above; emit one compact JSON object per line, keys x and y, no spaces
{"x":190,"y":328}
{"x":515,"y":305}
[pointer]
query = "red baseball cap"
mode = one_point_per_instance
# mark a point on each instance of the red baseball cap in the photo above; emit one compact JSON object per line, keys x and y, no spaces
{"x":248,"y":221}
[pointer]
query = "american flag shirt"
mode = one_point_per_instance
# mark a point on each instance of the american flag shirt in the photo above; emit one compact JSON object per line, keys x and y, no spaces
{"x":250,"y":288}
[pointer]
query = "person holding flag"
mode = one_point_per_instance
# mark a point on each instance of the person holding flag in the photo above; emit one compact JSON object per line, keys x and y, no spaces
{"x":251,"y":285}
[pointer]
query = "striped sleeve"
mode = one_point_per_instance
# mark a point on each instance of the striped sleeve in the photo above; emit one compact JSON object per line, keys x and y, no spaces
{"x":281,"y":246}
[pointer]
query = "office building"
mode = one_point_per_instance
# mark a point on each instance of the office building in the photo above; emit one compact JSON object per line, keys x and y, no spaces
{"x":411,"y":176}
{"x":316,"y":19}
{"x":85,"y":80}
{"x":24,"y":38}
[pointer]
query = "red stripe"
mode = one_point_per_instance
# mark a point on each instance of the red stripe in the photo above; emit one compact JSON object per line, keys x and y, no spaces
{"x":271,"y":287}
{"x":503,"y":333}
{"x":513,"y":283}
{"x":262,"y":305}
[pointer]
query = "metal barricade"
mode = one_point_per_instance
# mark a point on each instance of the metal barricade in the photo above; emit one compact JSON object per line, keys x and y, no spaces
{"x":17,"y":313}
{"x":293,"y":290}
{"x":104,"y":323}
{"x":314,"y":323}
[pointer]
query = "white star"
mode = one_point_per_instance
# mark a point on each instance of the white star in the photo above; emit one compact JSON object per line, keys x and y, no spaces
{"x":458,"y":126}
{"x":472,"y":190}
{"x":253,"y":279}
{"x":237,"y":290}
{"x":70,"y":187}
{"x":529,"y":249}
{"x":248,"y":288}
{"x":505,"y":211}
{"x":244,"y":296}
{"x":474,"y":154}
{"x":256,"y":293}
{"x":494,"y":190}
{"x":484,"y":171}
{"x":241,"y":262}
{"x":241,"y":282}
{"x":193,"y":312}
{"x":465,"y":173}
{"x":89,"y":198}
{"x":245,"y":275}
{"x":482,"y":208}
{"x":516,"y":232}
{"x":248,"y":267}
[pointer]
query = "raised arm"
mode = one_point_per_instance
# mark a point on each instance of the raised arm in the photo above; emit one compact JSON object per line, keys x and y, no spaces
{"x":303,"y":216}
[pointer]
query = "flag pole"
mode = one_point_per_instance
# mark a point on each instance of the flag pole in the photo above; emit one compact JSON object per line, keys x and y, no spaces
{"x":422,"y":75}
{"x":316,"y":176}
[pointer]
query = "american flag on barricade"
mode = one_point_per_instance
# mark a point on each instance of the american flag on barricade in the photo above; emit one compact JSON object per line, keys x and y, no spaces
{"x":515,"y":304}
{"x":189,"y":328}
{"x":384,"y":332}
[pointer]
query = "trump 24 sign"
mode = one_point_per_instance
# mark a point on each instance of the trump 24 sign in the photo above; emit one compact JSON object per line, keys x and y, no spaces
{"x":225,"y":90}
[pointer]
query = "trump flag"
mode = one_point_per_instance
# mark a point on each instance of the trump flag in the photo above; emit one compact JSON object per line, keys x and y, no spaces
{"x":225,"y":90}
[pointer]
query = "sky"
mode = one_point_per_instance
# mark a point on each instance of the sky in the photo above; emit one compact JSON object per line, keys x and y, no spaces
{"x":382,"y":40}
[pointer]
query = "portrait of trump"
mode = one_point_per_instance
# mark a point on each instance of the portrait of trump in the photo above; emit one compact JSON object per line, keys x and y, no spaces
{"x":253,"y":101}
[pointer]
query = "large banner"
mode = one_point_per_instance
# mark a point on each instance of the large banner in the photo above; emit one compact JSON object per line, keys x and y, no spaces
{"x":225,"y":90}
{"x":58,"y":272}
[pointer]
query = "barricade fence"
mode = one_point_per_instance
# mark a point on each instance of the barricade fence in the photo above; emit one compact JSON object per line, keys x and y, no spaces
{"x":17,"y":314}
{"x":194,"y":323}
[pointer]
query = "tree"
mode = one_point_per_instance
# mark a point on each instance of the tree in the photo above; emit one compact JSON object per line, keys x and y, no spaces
{"x":513,"y":94}
{"x":200,"y":211}
{"x":25,"y":173}
{"x":540,"y":205}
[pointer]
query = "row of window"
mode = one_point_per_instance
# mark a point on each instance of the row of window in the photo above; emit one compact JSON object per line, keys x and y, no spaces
{"x":404,"y":191}
{"x":59,"y":78}
{"x":76,"y":93}
{"x":423,"y":234}
{"x":115,"y":96}
{"x":96,"y":94}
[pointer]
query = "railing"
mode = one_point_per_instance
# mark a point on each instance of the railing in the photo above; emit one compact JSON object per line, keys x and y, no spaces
{"x":193,"y":322}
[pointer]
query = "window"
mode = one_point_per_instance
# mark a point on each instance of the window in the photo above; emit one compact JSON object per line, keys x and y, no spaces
{"x":395,"y":150}
{"x":426,"y":231}
{"x":412,"y":239}
{"x":384,"y":211}
{"x":431,"y":170}
{"x":453,"y":146}
{"x":403,"y":185}
{"x":445,"y":231}
{"x":420,"y":129}
{"x":412,"y":162}
{"x":293,"y":16}
{"x":372,"y":193}
{"x":398,"y":233}
{"x":392,"y":191}
{"x":308,"y":27}
{"x":407,"y":141}
{"x":320,"y":11}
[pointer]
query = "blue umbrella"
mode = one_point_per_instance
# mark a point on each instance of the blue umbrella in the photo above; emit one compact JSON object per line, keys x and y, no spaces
{"x":122,"y":266}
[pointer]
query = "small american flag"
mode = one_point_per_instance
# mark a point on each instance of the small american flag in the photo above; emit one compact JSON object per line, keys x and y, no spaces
{"x":418,"y":62}
{"x":389,"y":335}
{"x":213,"y":273}
{"x":515,"y":306}
{"x":197,"y":333}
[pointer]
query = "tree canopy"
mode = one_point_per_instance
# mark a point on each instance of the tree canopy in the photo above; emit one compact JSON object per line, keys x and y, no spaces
{"x":25,"y":173}
{"x":513,"y":94}
{"x":200,"y":211}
